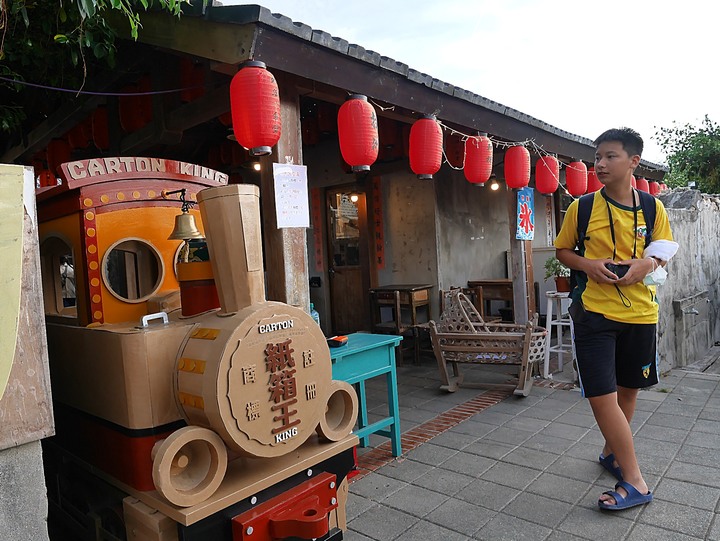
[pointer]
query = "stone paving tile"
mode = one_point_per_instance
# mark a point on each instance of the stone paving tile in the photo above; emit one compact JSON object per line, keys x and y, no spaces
{"x":577,"y":419}
{"x":563,"y":536}
{"x":454,"y":440}
{"x":663,"y":433}
{"x":647,"y":532}
{"x":492,"y":417}
{"x":512,"y":406}
{"x":670,"y":421}
{"x":472,"y":427}
{"x":694,"y":473}
{"x":644,"y":446}
{"x":548,"y":444}
{"x":468,"y":464}
{"x":511,"y":475}
{"x":590,"y":523}
{"x":357,"y":505}
{"x":352,"y":535}
{"x":566,"y":431}
{"x":707,"y":425}
{"x":532,"y":458}
{"x":703,"y":439}
{"x":696,"y":455}
{"x":525,"y":423}
{"x":382,"y":523}
{"x":429,"y":530}
{"x":488,"y":494}
{"x":444,"y":481}
{"x":674,"y":407}
{"x":678,"y":518}
{"x":544,"y":412}
{"x":714,"y":533}
{"x":415,"y":415}
{"x":558,"y":487}
{"x":405,"y":469}
{"x":691,"y":494}
{"x":461,"y":516}
{"x":509,"y":435}
{"x":415,"y":500}
{"x":376,"y":487}
{"x":575,"y":468}
{"x":506,"y":528}
{"x":489,"y":449}
{"x":538,"y":509}
{"x":430,"y":453}
{"x":586,"y":451}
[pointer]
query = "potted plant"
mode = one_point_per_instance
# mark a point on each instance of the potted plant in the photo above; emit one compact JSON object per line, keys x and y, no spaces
{"x":561,"y":273}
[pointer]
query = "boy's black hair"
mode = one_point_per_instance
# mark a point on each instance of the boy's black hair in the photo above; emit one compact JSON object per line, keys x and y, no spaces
{"x":629,"y":138}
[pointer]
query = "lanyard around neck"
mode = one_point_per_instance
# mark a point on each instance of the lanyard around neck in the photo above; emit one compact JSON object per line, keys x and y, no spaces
{"x":612,"y":226}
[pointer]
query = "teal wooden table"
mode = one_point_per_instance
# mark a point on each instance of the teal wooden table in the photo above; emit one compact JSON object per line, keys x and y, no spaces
{"x":366,"y":356}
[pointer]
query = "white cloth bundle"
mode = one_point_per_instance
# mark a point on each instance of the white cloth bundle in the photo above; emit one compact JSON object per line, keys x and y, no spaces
{"x":662,"y":249}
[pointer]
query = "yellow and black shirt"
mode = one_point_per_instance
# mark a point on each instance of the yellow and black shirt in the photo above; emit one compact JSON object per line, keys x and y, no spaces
{"x":640,"y":306}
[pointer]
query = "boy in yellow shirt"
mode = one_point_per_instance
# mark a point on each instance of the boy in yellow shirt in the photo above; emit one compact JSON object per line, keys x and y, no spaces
{"x":615,"y":317}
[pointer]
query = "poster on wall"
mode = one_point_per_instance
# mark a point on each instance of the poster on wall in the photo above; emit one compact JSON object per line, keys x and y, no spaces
{"x":291,"y":195}
{"x":525,"y":214}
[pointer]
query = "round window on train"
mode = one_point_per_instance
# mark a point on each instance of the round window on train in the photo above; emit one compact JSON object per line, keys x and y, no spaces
{"x":132,"y":270}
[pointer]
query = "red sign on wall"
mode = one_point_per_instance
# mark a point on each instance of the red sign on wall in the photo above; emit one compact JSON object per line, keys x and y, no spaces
{"x":378,"y":226}
{"x":316,"y":217}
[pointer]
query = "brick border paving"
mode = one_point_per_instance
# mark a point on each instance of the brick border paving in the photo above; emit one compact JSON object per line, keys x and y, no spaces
{"x":382,"y":454}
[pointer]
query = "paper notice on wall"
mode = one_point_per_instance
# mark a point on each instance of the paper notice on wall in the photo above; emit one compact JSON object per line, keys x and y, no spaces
{"x":12,"y":179}
{"x":291,"y":195}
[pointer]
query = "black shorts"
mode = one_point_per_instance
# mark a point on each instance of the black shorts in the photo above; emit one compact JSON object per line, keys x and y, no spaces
{"x":611,"y":354}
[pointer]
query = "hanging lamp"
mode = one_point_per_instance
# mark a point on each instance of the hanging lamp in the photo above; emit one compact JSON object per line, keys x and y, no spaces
{"x":478,"y":159}
{"x":547,"y":174}
{"x":642,"y":184}
{"x":517,"y":167}
{"x":593,"y":183}
{"x":255,"y":108}
{"x":576,"y":178}
{"x":358,"y":133}
{"x":425,"y":147}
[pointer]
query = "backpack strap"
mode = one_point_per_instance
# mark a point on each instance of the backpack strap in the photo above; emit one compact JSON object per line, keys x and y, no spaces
{"x":647,"y":205}
{"x":585,"y":205}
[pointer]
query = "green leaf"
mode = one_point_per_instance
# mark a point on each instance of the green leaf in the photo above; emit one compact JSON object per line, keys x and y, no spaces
{"x":61,"y":38}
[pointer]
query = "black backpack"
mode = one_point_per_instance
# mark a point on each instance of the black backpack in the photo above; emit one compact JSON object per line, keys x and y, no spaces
{"x":585,"y":205}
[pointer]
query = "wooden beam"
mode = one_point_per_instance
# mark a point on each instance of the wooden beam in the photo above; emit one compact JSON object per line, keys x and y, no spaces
{"x":518,"y":266}
{"x":286,"y":261}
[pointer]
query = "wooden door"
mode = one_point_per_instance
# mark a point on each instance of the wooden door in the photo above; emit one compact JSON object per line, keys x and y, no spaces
{"x":348,"y":259}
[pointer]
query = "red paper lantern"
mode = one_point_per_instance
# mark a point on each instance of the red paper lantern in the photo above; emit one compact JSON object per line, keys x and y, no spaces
{"x":654,"y":187}
{"x":255,"y":108}
{"x":478,"y":159}
{"x":576,"y":178}
{"x":358,"y":132}
{"x":455,"y":150}
{"x":425,"y":147}
{"x":100,"y":131}
{"x":593,"y":183}
{"x":517,"y":167}
{"x":58,"y":152}
{"x":663,"y":187}
{"x":547,"y":174}
{"x":633,"y":181}
{"x":46,"y":178}
{"x":642,"y":184}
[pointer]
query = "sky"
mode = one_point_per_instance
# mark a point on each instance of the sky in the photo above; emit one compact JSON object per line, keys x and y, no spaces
{"x":581,"y":66}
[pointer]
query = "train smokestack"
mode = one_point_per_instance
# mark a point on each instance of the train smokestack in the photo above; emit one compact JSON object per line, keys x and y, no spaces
{"x":231,"y":217}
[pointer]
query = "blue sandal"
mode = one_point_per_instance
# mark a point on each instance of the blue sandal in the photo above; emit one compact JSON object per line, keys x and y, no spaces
{"x":607,"y":462}
{"x":632,"y":499}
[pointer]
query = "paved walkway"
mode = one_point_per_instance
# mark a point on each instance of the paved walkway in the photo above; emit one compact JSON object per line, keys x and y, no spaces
{"x":487,"y":465}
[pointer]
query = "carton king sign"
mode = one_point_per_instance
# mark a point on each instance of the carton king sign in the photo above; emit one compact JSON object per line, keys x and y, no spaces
{"x":84,"y":172}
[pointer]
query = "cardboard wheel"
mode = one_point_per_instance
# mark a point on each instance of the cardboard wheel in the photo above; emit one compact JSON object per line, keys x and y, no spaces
{"x":189,"y":465}
{"x":340,"y":413}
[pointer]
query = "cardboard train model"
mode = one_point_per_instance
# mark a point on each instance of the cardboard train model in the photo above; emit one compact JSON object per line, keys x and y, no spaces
{"x":187,"y":406}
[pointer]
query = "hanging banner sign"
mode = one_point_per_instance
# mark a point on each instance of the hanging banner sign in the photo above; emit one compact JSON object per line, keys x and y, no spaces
{"x":378,"y":226}
{"x":291,"y":195}
{"x":525,"y":214}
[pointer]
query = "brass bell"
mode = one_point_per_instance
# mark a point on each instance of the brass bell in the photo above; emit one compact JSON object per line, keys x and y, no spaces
{"x":185,"y":228}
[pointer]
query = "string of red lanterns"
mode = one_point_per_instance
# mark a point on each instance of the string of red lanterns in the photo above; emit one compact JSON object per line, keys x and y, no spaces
{"x":478,"y":159}
{"x":517,"y":167}
{"x":576,"y":178}
{"x":547,"y":173}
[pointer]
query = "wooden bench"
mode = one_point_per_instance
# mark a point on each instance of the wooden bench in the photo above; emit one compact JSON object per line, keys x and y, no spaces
{"x":462,"y":336}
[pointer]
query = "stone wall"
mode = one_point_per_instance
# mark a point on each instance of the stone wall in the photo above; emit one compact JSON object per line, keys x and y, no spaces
{"x":690,"y":298}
